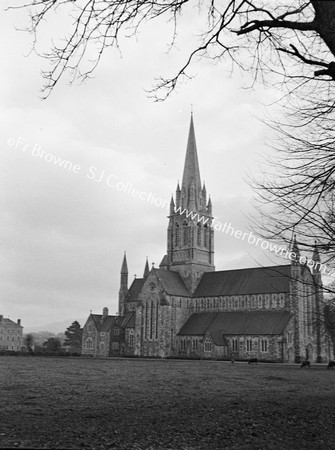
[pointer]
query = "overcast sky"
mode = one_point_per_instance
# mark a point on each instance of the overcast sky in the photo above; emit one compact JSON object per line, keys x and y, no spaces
{"x":63,"y":233}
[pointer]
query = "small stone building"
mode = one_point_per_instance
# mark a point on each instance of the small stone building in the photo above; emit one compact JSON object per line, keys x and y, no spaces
{"x":10,"y":334}
{"x":105,"y":335}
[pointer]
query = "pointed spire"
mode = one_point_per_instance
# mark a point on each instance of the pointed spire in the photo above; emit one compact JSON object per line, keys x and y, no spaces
{"x":172,"y":206}
{"x":146,"y":269}
{"x":178,"y":192}
{"x":123,"y":285}
{"x":124,"y":267}
{"x":209,"y":206}
{"x":191,"y":167}
{"x":295,"y":248}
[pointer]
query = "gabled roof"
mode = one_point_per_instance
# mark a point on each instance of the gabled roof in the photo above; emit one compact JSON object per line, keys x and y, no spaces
{"x":108,"y":323}
{"x":236,"y":323}
{"x":257,"y":280}
{"x":135,"y":289}
{"x":172,"y":282}
{"x":9,"y":322}
{"x":104,"y":325}
{"x":127,"y":321}
{"x":96,"y":319}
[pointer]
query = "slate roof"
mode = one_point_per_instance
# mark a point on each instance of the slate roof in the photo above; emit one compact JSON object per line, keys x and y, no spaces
{"x":172,"y":282}
{"x":127,"y":321}
{"x":106,"y":324}
{"x":135,"y":289}
{"x":9,"y":322}
{"x":257,"y":280}
{"x":236,"y":323}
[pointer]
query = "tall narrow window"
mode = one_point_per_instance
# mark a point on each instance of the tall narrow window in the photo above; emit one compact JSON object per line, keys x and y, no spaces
{"x":145,"y":320}
{"x":185,"y":233}
{"x":199,"y":233}
{"x":234,"y":344}
{"x":131,"y":338}
{"x":151,"y":319}
{"x":157,"y":321}
{"x":208,"y":345}
{"x":264,"y":345}
{"x":249,"y":345}
{"x":177,"y":235}
{"x":206,"y":236}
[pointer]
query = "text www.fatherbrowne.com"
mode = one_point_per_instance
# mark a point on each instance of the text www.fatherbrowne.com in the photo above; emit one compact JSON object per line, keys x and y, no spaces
{"x":114,"y":182}
{"x":279,"y":250}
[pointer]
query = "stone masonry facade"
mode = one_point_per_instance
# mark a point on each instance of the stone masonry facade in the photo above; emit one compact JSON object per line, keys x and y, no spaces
{"x":187,"y":309}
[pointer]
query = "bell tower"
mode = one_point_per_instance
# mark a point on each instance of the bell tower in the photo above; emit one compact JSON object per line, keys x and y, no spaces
{"x":190,"y":242}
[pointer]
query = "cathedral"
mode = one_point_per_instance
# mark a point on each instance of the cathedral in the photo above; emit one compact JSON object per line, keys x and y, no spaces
{"x":187,"y":309}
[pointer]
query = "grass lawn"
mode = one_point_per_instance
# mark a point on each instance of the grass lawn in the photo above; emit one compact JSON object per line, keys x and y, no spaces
{"x":164,"y":404}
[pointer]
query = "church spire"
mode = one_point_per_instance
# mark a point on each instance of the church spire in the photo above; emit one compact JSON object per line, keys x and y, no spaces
{"x":146,"y":269}
{"x":123,"y":285}
{"x":190,"y":243}
{"x":124,"y":267}
{"x":191,"y":174}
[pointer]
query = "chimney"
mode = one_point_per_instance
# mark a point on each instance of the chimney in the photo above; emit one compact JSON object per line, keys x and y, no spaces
{"x":1,"y":317}
{"x":19,"y":321}
{"x":105,"y":311}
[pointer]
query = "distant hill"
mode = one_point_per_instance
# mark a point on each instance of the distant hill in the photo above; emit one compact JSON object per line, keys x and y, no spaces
{"x":55,"y":327}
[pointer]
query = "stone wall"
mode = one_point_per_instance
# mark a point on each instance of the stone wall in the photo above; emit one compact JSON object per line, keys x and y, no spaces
{"x":198,"y":347}
{"x":90,"y":338}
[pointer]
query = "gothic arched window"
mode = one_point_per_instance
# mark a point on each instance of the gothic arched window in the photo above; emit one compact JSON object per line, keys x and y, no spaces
{"x":208,"y":345}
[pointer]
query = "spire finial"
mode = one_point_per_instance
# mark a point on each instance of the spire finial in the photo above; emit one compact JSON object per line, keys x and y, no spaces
{"x":124,"y":267}
{"x":146,"y":268}
{"x":191,"y":172}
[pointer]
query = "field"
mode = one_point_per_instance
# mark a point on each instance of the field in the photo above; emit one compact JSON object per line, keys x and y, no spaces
{"x":164,"y":404}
